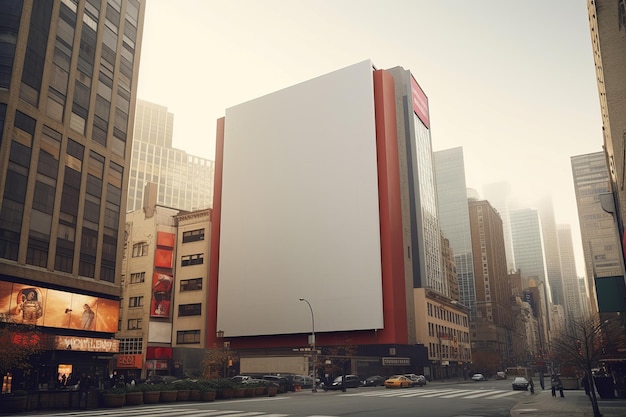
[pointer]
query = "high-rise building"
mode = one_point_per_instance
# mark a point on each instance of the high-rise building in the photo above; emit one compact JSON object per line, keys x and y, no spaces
{"x":499,"y":194}
{"x":68,"y":80}
{"x":551,"y":250}
{"x":184,"y":181}
{"x":530,"y":261}
{"x":606,"y":22}
{"x":571,"y":295}
{"x":493,"y":327}
{"x":454,"y":219}
{"x":359,"y":242}
{"x":601,"y":247}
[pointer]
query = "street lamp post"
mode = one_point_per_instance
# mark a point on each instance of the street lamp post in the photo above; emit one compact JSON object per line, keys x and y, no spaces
{"x":312,"y":343}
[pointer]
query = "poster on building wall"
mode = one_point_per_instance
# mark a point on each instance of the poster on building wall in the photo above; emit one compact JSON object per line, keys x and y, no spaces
{"x":161,"y":295}
{"x":28,"y":304}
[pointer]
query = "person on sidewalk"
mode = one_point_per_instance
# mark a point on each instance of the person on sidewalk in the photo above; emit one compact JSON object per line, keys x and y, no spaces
{"x":557,"y":384}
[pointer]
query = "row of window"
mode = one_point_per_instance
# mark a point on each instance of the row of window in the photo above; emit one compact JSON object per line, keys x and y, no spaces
{"x":192,"y":284}
{"x":184,"y":310}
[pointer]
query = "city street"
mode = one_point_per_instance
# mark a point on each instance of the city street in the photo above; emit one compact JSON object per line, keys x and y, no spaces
{"x":487,"y":399}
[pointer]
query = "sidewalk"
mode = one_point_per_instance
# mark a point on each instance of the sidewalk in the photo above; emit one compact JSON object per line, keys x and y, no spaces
{"x":574,"y":404}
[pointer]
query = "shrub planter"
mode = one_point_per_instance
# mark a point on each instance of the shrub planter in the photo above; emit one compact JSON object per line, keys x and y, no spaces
{"x":113,"y":400}
{"x":183,"y":395}
{"x":249,"y":392}
{"x":259,"y":391}
{"x":239,"y":393}
{"x":10,"y":403}
{"x":134,"y":398}
{"x":208,"y":396}
{"x":225,"y":394}
{"x":272,"y":391}
{"x":195,"y":395}
{"x":168,"y":396}
{"x":151,"y":397}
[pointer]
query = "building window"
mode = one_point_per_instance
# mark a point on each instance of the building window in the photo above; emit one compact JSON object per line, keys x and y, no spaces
{"x":134,"y":324}
{"x":189,"y":310}
{"x":195,"y":259}
{"x":137,"y":278}
{"x":188,"y":337}
{"x":191,"y":284}
{"x":140,"y":249}
{"x":131,"y":346}
{"x":193,"y":235}
{"x":135,"y":302}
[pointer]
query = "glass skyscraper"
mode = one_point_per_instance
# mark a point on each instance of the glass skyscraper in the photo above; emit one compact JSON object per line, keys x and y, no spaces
{"x":184,"y":181}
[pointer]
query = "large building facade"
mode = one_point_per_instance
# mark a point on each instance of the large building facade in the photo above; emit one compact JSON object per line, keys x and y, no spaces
{"x":601,"y":246}
{"x":454,"y":219}
{"x":354,"y":240}
{"x":68,"y":80}
{"x":183,"y":181}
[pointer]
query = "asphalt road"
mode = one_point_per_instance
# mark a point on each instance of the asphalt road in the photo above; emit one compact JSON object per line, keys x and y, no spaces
{"x":479,"y":399}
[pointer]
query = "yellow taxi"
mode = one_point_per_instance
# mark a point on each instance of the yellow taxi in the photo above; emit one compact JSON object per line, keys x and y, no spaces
{"x":397,"y":381}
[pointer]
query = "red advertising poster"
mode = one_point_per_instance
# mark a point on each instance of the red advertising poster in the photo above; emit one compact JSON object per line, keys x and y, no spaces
{"x":27,"y":304}
{"x":161,"y":295}
{"x":163,"y":258}
{"x":165,"y":239}
{"x":420,"y":103}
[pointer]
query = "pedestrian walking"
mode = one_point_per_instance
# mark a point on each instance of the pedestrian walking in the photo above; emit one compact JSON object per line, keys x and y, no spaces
{"x":553,"y":385}
{"x":531,"y":384}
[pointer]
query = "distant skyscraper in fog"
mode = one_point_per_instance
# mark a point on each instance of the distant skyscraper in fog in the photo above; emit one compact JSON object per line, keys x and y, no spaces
{"x":183,"y":181}
{"x":572,"y":299}
{"x":454,"y":218}
{"x":498,"y":194}
{"x":597,"y":228}
{"x":551,"y":249}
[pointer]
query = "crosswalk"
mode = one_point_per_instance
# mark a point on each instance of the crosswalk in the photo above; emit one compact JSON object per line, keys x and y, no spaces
{"x":437,"y":393}
{"x":158,"y":411}
{"x":185,"y":410}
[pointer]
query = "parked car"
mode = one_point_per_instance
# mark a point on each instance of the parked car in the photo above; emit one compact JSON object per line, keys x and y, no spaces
{"x":520,"y":384}
{"x":397,"y":381}
{"x":374,"y":381}
{"x":478,"y":377}
{"x":282,"y":382}
{"x":303,"y":381}
{"x":158,"y":379}
{"x":240,"y":379}
{"x":352,"y":381}
{"x":416,"y":379}
{"x":500,"y":375}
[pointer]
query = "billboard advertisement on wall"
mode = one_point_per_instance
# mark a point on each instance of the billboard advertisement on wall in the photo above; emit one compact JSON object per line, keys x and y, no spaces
{"x":420,"y":103}
{"x":28,"y":304}
{"x":163,"y":279}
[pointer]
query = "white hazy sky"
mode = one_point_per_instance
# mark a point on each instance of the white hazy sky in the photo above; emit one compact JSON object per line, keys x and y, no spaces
{"x":510,"y":81}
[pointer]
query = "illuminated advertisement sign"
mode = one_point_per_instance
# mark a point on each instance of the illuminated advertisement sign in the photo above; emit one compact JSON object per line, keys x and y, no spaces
{"x":420,"y":103}
{"x":162,"y":282}
{"x":161,"y":295}
{"x":87,"y":344}
{"x":28,"y":304}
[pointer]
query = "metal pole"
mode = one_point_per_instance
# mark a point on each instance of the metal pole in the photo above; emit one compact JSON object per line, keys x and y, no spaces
{"x":314,"y":356}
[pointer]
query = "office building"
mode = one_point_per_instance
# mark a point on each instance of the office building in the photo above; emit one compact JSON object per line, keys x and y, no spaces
{"x":598,"y":232}
{"x":572,"y":298}
{"x":164,"y":291}
{"x":68,"y":83}
{"x":530,"y":261}
{"x":499,"y":196}
{"x":493,"y":327}
{"x":183,"y":181}
{"x":551,"y":249}
{"x":362,"y":237}
{"x":454,"y":219}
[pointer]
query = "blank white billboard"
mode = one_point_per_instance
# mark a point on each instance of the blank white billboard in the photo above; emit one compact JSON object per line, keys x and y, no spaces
{"x":300,"y":214}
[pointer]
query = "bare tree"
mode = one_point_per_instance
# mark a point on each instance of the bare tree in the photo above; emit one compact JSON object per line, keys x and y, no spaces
{"x":582,"y":344}
{"x":217,"y":361}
